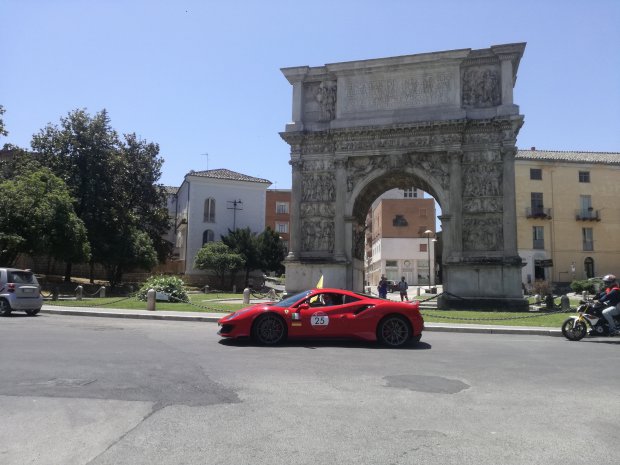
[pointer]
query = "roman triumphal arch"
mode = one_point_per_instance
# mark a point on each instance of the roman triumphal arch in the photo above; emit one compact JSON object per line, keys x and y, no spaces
{"x":444,"y":122}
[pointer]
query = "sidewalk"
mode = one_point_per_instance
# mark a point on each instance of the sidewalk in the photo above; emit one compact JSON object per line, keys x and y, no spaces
{"x":214,"y":317}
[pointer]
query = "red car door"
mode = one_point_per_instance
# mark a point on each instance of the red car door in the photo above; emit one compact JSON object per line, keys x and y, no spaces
{"x":320,"y":316}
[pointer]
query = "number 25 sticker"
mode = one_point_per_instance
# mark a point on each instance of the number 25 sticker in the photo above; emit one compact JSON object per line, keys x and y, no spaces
{"x":319,"y":319}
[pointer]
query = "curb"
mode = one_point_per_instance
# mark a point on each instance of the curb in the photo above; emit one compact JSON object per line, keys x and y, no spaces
{"x":213,"y":318}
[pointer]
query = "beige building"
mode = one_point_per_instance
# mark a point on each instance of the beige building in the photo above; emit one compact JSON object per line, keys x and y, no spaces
{"x":568,"y":214}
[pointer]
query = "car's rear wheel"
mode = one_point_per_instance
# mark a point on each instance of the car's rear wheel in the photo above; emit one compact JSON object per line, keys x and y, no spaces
{"x":33,"y":312}
{"x":5,"y":308}
{"x":394,"y":331}
{"x":269,"y":329}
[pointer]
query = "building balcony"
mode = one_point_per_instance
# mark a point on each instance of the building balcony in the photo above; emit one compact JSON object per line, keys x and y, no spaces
{"x":538,"y":213}
{"x":587,"y":215}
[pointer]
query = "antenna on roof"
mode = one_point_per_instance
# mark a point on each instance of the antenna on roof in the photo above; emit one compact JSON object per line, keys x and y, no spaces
{"x":206,"y":154}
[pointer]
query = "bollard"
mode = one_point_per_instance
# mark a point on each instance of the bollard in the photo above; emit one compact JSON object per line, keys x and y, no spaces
{"x":246,"y":295}
{"x":537,"y":298}
{"x":79,"y":292}
{"x":565,"y":302}
{"x":150,"y":299}
{"x":234,"y":288}
{"x":55,"y":293}
{"x":206,"y":289}
{"x":584,"y":295}
{"x":418,"y":292}
{"x":102,"y":292}
{"x":549,"y":302}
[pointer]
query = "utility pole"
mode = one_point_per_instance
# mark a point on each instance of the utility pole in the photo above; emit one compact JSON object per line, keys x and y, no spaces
{"x":206,"y":154}
{"x":236,"y":205}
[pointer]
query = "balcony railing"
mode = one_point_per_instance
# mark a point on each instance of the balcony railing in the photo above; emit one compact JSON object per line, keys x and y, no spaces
{"x":587,"y":215}
{"x":538,"y":212}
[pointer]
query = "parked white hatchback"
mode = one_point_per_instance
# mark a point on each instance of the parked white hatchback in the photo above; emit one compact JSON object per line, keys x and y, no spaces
{"x":19,"y":290}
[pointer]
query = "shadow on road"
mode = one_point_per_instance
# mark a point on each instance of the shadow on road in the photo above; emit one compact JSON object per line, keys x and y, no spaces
{"x":315,"y":344}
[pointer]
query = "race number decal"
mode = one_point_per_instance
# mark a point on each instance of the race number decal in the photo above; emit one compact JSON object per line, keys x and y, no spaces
{"x":319,"y":320}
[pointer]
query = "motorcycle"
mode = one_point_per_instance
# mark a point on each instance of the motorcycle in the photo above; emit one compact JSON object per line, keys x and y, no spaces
{"x":589,"y":314}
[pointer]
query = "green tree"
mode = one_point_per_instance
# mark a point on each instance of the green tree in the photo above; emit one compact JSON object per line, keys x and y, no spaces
{"x":220,"y":259}
{"x":3,"y":131}
{"x":37,"y":218}
{"x":114,"y":184}
{"x":271,"y":251}
{"x":245,"y":243}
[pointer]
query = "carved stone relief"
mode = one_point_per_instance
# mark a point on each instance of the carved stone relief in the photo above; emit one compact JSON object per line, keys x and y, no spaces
{"x":359,"y":167}
{"x":318,"y":187}
{"x":482,"y":180}
{"x":434,"y":164}
{"x":482,"y":234}
{"x":317,"y":234}
{"x":326,"y":96}
{"x":480,"y":87}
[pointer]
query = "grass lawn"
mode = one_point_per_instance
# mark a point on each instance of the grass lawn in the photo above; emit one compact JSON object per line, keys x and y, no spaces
{"x":212,"y":303}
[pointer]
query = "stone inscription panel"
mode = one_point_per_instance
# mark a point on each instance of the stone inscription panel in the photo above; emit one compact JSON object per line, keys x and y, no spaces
{"x":397,"y":91}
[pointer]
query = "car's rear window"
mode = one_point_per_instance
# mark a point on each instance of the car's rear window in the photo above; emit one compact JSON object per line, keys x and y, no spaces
{"x":21,"y":277}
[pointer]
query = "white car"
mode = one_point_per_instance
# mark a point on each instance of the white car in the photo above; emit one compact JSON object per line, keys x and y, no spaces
{"x":19,"y":290}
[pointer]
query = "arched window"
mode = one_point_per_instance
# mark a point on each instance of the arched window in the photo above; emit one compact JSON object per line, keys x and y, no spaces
{"x":588,"y":264}
{"x":209,"y":213}
{"x":207,"y":236}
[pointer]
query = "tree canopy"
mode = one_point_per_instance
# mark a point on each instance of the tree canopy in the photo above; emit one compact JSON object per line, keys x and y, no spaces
{"x":219,"y":258}
{"x":114,"y":183}
{"x":37,"y":218}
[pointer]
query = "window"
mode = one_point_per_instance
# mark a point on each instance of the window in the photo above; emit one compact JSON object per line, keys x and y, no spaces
{"x":535,"y":173}
{"x":281,"y":227}
{"x":536,"y":202}
{"x":410,"y":193}
{"x":284,"y":246}
{"x":282,"y":207}
{"x":399,"y":220}
{"x":392,"y":263}
{"x":584,"y":176}
{"x":208,"y":236}
{"x":209,"y":212}
{"x":585,"y":203}
{"x":587,"y":235}
{"x":538,"y":236}
{"x":423,"y":248}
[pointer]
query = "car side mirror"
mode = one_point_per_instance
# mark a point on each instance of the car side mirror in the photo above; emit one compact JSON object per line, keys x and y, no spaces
{"x":303,"y":306}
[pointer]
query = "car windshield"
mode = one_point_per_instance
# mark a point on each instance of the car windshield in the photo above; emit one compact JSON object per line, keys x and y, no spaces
{"x":292,"y":299}
{"x":21,"y":277}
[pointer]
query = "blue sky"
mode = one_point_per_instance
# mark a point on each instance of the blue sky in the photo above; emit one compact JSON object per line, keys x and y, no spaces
{"x":204,"y":76}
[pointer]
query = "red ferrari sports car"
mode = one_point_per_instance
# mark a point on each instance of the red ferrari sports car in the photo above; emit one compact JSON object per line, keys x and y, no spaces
{"x":327,"y":313}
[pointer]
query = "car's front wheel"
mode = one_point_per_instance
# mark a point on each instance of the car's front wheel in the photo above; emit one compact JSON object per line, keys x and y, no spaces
{"x":394,"y":331}
{"x":5,"y":308}
{"x":269,"y":330}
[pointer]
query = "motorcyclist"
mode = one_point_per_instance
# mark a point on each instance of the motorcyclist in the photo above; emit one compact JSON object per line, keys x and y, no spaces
{"x":610,"y":297}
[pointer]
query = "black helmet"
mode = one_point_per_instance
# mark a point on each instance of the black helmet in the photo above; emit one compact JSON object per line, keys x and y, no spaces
{"x":609,"y":279}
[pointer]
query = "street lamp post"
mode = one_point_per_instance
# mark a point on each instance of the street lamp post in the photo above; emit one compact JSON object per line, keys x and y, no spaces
{"x":428,"y":233}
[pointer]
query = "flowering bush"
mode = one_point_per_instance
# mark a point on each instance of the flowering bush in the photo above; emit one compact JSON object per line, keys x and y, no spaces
{"x":170,"y":285}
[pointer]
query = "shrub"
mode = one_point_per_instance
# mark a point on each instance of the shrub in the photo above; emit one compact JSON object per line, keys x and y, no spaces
{"x":170,"y":285}
{"x":541,"y":287}
{"x":589,"y":285}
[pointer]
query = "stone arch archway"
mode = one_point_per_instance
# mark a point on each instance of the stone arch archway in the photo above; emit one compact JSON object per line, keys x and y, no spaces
{"x":445,"y":121}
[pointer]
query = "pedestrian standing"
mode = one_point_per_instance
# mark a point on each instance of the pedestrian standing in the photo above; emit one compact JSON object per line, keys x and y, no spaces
{"x":402,"y":288}
{"x":383,"y":287}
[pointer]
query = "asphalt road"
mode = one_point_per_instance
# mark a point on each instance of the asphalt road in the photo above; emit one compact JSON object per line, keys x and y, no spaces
{"x":101,"y":391}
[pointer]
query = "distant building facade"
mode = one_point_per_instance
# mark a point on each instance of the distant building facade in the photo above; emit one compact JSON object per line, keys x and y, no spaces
{"x":396,"y":240}
{"x":210,"y":203}
{"x":277,"y":213}
{"x":568,"y":214}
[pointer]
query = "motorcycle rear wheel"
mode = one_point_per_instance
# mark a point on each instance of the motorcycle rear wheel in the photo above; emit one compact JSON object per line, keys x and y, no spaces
{"x":574,"y":330}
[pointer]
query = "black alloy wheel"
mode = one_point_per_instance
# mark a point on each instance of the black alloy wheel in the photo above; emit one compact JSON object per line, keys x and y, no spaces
{"x":269,"y":330}
{"x":394,"y":331}
{"x":5,"y":308}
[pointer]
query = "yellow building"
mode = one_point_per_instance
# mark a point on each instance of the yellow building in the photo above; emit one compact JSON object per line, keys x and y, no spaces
{"x":568,"y":214}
